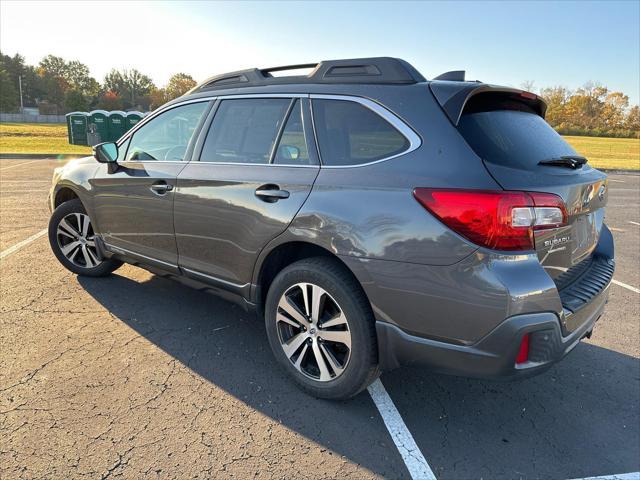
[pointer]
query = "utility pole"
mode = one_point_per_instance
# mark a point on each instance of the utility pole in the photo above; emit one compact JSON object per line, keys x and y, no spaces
{"x":20,"y":87}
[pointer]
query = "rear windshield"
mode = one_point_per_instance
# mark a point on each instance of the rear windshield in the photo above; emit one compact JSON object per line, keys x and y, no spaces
{"x":512,"y":138}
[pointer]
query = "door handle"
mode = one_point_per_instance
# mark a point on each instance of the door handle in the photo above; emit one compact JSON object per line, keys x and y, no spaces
{"x":161,"y":188}
{"x":271,"y":193}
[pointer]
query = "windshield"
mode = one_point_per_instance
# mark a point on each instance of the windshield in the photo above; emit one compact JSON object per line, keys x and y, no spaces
{"x":512,"y":138}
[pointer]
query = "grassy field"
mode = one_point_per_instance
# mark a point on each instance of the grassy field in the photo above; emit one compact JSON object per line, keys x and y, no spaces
{"x":616,"y":153}
{"x":37,"y":138}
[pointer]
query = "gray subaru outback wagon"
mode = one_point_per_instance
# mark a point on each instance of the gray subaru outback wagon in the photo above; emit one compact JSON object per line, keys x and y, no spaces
{"x":372,"y":217}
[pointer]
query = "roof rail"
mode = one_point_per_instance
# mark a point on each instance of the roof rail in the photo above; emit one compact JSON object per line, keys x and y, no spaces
{"x":376,"y":70}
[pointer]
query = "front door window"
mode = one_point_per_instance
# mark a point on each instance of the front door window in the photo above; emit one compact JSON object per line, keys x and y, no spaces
{"x":167,"y":136}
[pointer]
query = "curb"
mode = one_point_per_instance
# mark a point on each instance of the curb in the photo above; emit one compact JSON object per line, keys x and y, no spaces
{"x":41,"y":156}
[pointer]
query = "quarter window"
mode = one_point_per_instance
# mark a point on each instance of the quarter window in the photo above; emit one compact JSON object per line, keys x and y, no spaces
{"x":245,"y":130}
{"x":167,"y":136}
{"x":350,"y":133}
{"x":292,"y":148}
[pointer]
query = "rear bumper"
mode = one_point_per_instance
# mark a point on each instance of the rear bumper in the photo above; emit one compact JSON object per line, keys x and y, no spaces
{"x":494,"y":355}
{"x":469,"y":318}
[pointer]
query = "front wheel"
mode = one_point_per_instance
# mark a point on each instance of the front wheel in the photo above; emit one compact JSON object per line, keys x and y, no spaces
{"x":321,"y":328}
{"x":72,"y":240}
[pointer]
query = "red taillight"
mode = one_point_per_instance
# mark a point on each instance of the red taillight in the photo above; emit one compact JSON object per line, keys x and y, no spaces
{"x":499,"y":220}
{"x":523,"y":353}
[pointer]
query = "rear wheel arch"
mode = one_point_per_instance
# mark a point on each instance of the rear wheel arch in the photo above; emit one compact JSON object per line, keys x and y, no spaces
{"x":284,"y":255}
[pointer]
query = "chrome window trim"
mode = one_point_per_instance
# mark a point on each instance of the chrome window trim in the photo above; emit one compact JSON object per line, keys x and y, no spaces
{"x":414,"y":139}
{"x":252,"y":164}
{"x":405,"y":130}
{"x":163,"y":109}
{"x":238,"y":96}
{"x":164,"y":162}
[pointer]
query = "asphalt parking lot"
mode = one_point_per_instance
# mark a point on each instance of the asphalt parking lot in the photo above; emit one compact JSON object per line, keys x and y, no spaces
{"x":137,"y":376}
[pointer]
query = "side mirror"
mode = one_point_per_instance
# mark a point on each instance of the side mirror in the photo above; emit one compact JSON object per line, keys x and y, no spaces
{"x":106,"y":152}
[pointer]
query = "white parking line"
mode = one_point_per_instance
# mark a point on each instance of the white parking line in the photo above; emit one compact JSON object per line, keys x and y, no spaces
{"x":620,"y":476}
{"x":40,"y":190}
{"x":18,"y":165}
{"x":23,"y":243}
{"x":7,"y":181}
{"x":628,"y":287}
{"x":634,"y":223}
{"x":400,"y":434}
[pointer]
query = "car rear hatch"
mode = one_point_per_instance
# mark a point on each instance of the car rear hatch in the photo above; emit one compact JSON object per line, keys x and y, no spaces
{"x":506,"y":128}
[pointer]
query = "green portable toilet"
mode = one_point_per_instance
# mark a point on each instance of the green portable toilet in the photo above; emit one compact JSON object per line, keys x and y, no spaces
{"x":77,"y":128}
{"x":133,"y":118}
{"x":98,"y":127}
{"x":117,"y":124}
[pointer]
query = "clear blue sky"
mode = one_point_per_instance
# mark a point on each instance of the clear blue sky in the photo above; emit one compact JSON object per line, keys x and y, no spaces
{"x":550,"y":43}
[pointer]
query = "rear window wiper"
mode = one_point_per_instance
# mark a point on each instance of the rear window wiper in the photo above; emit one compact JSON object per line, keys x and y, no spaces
{"x":570,"y":161}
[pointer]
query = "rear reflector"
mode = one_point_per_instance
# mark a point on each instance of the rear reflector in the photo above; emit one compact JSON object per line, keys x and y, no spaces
{"x":523,"y":353}
{"x":499,"y":220}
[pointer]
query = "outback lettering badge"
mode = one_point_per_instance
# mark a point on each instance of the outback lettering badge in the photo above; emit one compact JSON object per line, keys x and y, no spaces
{"x":557,"y":241}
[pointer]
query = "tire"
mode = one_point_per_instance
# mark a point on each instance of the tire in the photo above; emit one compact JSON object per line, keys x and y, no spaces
{"x":342,"y":334}
{"x":69,"y":234}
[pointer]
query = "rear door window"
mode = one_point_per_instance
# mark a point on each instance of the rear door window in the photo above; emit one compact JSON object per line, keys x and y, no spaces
{"x":512,"y":138}
{"x":245,"y":130}
{"x":351,"y":134}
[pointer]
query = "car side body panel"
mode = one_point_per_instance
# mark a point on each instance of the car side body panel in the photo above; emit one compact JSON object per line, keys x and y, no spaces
{"x":76,"y":176}
{"x":221,"y":225}
{"x":130,"y":215}
{"x":458,"y":303}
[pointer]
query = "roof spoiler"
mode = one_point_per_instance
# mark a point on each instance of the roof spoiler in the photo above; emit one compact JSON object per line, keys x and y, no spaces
{"x":453,"y":96}
{"x":452,"y":76}
{"x":375,"y":70}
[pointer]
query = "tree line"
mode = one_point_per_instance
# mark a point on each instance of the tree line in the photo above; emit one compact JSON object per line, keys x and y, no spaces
{"x":58,"y":86}
{"x":591,"y":110}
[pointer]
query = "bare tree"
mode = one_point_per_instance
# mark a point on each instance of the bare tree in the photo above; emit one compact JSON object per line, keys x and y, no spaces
{"x":528,"y":85}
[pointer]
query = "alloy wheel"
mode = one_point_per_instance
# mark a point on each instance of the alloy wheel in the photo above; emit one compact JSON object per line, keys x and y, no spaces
{"x":76,"y":240}
{"x":313,"y":332}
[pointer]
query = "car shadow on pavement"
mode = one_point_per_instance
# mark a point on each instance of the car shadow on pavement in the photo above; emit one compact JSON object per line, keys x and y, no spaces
{"x":581,"y":418}
{"x":228,"y":348}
